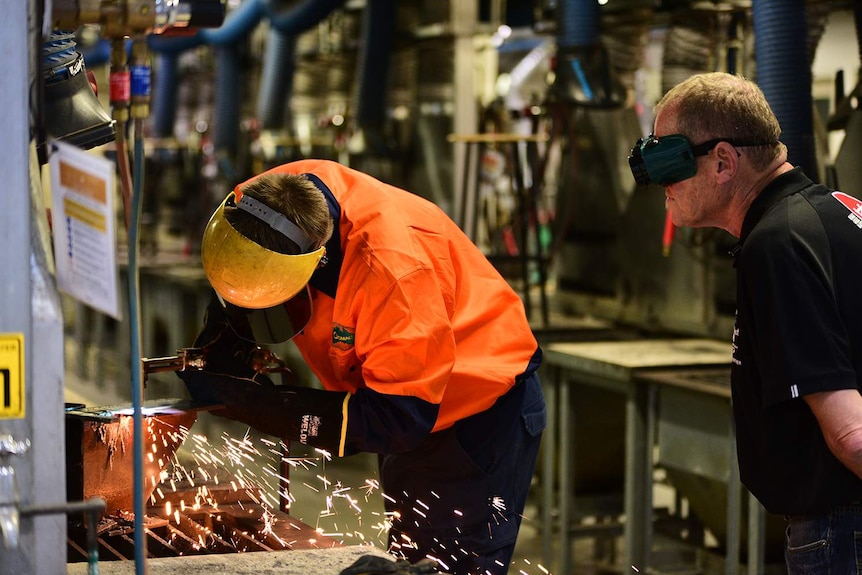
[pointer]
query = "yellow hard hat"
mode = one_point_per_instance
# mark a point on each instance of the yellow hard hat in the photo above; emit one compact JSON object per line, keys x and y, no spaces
{"x":247,"y":274}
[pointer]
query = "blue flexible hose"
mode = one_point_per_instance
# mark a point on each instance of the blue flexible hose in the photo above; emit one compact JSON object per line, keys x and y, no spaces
{"x":135,"y":337}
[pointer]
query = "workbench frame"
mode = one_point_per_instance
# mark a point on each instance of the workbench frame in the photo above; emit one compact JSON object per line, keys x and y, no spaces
{"x":569,"y":365}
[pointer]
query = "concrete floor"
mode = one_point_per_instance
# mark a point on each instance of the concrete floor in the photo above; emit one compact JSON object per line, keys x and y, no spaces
{"x":304,"y":562}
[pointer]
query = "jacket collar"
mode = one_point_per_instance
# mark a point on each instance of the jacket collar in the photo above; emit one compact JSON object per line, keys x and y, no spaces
{"x":325,"y":278}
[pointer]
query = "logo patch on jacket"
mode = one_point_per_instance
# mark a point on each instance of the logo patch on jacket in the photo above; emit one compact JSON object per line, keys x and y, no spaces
{"x":343,"y":337}
{"x":852,"y":204}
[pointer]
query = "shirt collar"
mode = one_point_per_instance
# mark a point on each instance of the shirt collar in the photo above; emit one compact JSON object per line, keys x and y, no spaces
{"x":784,"y":185}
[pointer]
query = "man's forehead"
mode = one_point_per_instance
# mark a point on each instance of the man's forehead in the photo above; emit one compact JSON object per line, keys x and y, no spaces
{"x":663,"y":126}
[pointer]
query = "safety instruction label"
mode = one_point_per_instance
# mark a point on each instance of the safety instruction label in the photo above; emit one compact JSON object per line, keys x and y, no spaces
{"x":11,"y":375}
{"x":82,"y":204}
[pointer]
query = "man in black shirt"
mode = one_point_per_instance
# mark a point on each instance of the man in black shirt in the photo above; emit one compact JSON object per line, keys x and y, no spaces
{"x":797,"y":343}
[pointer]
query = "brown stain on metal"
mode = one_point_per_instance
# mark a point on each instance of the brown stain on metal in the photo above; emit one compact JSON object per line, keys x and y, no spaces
{"x":112,"y":435}
{"x":100,"y":461}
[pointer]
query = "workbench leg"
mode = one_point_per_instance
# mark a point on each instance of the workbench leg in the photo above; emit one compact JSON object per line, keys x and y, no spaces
{"x":756,"y":536}
{"x":549,"y":454}
{"x":637,"y":516}
{"x":734,"y":513}
{"x":649,"y":486}
{"x":566,"y":473}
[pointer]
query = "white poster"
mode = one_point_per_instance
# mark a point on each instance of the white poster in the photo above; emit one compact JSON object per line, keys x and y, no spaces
{"x":82,"y":198}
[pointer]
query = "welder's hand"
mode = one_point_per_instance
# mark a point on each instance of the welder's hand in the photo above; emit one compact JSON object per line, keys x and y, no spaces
{"x":208,"y":388}
{"x":224,"y":351}
{"x":255,"y":402}
{"x":311,"y":416}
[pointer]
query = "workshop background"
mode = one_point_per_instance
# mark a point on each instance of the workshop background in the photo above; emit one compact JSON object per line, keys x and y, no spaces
{"x":516,"y":117}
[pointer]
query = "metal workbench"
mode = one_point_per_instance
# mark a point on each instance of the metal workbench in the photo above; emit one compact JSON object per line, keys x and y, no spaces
{"x":691,"y":413}
{"x":613,"y":366}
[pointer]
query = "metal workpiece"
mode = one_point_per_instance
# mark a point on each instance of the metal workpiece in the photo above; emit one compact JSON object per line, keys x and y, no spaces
{"x":99,"y":459}
{"x":9,"y":514}
{"x":10,"y":446}
{"x":9,"y":496}
{"x":202,"y":510}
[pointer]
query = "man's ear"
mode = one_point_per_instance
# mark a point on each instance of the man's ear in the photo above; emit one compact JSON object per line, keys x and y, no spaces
{"x":727,"y":161}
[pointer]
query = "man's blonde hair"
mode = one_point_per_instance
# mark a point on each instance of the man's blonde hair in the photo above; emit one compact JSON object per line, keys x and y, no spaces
{"x":722,"y":105}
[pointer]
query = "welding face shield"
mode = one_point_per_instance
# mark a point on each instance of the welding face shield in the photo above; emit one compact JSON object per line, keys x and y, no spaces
{"x":275,"y":324}
{"x":264,"y":292}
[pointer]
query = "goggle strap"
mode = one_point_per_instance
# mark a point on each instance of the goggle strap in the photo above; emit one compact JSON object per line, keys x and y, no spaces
{"x":705,"y":147}
{"x":276,"y":221}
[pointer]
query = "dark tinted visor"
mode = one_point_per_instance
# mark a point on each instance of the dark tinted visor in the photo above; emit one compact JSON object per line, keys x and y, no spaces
{"x":662,"y":161}
{"x":274,"y":324}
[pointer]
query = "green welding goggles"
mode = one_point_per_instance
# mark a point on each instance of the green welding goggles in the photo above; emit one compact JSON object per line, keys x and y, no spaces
{"x":666,"y":160}
{"x":670,"y":159}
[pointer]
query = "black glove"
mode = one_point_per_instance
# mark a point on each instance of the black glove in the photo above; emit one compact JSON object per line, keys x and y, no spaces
{"x":374,"y":565}
{"x":311,"y":416}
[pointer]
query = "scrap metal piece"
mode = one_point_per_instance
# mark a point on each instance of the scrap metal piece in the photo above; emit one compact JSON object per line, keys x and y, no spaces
{"x":99,"y":456}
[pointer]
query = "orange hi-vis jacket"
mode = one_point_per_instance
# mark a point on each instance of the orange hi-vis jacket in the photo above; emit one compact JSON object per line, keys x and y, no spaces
{"x":407,"y":304}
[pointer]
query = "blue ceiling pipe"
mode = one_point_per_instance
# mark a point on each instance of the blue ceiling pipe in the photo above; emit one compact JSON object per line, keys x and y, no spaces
{"x":374,"y":58}
{"x":784,"y":74}
{"x":583,"y":74}
{"x":279,"y":61}
{"x":578,"y":23}
{"x":276,"y":83}
{"x":227,"y":38}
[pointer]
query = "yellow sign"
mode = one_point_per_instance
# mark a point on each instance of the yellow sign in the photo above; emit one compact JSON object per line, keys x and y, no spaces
{"x":11,"y":375}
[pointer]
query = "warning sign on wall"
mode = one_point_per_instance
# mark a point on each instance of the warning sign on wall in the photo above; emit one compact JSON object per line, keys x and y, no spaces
{"x":11,"y":375}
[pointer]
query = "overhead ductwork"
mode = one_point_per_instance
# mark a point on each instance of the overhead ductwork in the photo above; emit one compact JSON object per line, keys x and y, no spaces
{"x":784,"y":75}
{"x":583,"y":71}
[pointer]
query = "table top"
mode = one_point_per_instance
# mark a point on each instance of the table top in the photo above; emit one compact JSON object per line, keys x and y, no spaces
{"x":619,"y":359}
{"x":709,"y":380}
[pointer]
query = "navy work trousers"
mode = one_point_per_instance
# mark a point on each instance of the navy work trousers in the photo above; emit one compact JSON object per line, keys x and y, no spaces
{"x":460,"y":495}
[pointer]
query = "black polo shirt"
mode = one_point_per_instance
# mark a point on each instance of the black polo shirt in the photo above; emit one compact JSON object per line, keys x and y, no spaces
{"x":798,"y":331}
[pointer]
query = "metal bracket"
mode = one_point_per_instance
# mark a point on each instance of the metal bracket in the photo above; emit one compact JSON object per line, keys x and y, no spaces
{"x":9,"y":513}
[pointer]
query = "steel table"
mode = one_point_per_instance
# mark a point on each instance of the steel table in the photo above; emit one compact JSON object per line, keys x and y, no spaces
{"x":610,"y":365}
{"x":693,"y":407}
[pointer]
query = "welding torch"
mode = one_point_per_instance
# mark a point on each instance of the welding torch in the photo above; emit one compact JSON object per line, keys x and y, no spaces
{"x":262,"y":360}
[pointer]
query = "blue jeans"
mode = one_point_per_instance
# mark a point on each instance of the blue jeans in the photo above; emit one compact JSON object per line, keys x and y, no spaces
{"x":459,"y":496}
{"x":825,"y":544}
